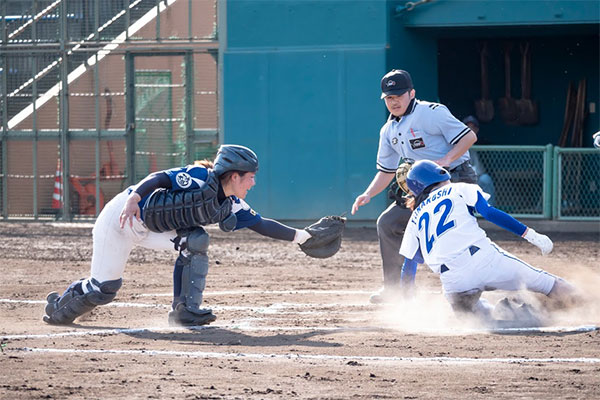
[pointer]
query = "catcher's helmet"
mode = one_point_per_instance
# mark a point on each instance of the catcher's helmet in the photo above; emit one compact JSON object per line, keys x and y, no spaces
{"x":425,"y":173}
{"x":231,"y":157}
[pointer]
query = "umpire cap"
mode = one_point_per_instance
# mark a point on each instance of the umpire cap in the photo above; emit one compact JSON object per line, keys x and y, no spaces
{"x":396,"y":83}
{"x":232,"y":157}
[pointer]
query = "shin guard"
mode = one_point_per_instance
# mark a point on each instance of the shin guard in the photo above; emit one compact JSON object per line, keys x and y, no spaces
{"x":75,"y":301}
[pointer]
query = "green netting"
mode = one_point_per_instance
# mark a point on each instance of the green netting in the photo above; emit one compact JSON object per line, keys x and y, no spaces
{"x":514,"y":177}
{"x":87,"y":126}
{"x":578,"y":183}
{"x":155,"y":149}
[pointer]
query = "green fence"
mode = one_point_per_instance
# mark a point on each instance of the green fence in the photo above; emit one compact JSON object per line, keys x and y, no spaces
{"x":576,"y":194}
{"x":541,"y":181}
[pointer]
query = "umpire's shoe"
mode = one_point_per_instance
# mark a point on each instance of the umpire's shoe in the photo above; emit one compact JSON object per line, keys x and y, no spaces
{"x":386,"y":295}
{"x":181,"y":316}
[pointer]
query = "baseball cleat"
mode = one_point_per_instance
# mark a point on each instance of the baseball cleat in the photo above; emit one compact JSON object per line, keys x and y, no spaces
{"x":51,"y":306}
{"x":181,"y":316}
{"x":511,"y":314}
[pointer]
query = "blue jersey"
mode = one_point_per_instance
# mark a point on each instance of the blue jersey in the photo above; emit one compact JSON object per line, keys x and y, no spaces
{"x":192,"y":177}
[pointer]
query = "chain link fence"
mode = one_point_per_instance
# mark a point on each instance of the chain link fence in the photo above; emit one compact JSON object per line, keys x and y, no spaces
{"x":540,"y":181}
{"x":71,"y":106}
{"x":577,"y":184}
{"x":514,"y":177}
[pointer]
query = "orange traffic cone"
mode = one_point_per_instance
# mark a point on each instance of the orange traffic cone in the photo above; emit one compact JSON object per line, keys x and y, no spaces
{"x":57,"y":194}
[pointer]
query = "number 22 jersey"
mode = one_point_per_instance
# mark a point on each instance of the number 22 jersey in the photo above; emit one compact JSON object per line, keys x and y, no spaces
{"x":443,"y":225}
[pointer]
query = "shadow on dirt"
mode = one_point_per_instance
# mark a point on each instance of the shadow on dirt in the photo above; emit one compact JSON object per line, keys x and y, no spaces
{"x":225,"y":337}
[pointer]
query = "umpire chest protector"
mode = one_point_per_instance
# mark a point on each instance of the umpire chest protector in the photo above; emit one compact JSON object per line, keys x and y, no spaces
{"x":172,"y":210}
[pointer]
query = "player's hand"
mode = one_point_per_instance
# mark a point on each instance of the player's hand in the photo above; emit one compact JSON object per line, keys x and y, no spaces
{"x":360,"y":201}
{"x":542,"y":241}
{"x":131,"y":210}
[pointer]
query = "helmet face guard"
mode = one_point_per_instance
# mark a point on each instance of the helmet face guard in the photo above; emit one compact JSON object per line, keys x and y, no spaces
{"x":231,"y":157}
{"x":423,"y":174}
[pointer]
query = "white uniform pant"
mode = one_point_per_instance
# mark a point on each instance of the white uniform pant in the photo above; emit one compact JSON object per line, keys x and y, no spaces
{"x":112,"y":245}
{"x":492,"y":268}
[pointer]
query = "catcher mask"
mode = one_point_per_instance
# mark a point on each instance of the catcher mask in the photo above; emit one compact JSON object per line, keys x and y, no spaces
{"x":402,"y":172}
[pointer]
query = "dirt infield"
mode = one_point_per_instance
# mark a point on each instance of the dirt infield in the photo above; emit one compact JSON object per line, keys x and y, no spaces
{"x":288,"y":327}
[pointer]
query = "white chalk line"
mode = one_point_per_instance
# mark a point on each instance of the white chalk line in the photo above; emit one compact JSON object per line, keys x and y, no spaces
{"x":246,"y":326}
{"x":311,"y":357}
{"x":299,"y":291}
{"x":275,"y":308}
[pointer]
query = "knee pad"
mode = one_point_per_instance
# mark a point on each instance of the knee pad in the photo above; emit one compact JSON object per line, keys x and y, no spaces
{"x":198,"y":241}
{"x":106,"y":292}
{"x":80,"y":297}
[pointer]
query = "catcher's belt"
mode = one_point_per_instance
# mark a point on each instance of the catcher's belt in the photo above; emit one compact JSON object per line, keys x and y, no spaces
{"x":167,"y":210}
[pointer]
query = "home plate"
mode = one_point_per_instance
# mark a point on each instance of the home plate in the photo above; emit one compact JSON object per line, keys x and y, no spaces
{"x":548,"y":329}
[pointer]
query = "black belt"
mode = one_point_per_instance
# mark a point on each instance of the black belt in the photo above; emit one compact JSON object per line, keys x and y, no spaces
{"x":472,"y":250}
{"x":459,"y":166}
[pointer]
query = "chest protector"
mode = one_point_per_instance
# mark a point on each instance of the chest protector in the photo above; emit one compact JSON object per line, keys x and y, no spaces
{"x":172,"y":210}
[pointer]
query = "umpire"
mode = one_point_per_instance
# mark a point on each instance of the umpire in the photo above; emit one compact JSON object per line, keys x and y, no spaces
{"x":417,"y":130}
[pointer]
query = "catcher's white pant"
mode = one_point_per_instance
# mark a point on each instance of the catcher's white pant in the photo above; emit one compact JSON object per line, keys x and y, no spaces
{"x":491,"y":268}
{"x":112,"y":245}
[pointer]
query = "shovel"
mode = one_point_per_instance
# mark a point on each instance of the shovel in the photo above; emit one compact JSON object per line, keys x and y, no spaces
{"x":484,"y":107}
{"x":508,"y":105}
{"x":528,"y":109}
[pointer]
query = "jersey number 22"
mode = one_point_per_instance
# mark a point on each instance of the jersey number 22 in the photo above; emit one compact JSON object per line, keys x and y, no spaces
{"x":443,"y":207}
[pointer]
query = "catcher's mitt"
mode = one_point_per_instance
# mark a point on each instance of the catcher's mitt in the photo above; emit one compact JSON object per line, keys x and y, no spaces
{"x":326,"y":237}
{"x":401,"y":173}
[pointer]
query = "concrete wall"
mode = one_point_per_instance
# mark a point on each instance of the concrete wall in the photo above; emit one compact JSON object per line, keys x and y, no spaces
{"x":301,"y":87}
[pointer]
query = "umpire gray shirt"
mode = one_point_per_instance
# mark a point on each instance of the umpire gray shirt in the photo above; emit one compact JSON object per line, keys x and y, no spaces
{"x":427,"y":131}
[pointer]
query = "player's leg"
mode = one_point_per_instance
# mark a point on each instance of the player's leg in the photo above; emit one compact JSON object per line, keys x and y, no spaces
{"x":505,"y":271}
{"x":191,"y":268}
{"x":508,"y":272}
{"x":462,"y":287}
{"x":80,"y":297}
{"x":390,"y":228}
{"x":470,"y":304}
{"x":564,"y":295}
{"x":110,"y":251}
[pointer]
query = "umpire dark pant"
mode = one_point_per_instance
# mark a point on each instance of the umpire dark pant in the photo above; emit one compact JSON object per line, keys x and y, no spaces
{"x":391,"y":224}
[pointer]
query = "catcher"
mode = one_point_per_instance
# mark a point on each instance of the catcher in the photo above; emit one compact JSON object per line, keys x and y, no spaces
{"x":167,"y":210}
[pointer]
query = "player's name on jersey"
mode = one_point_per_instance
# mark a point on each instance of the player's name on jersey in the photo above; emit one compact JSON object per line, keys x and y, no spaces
{"x":435,"y":196}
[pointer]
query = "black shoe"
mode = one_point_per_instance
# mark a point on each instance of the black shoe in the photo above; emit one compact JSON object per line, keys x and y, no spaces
{"x":51,"y":306}
{"x":181,"y":316}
